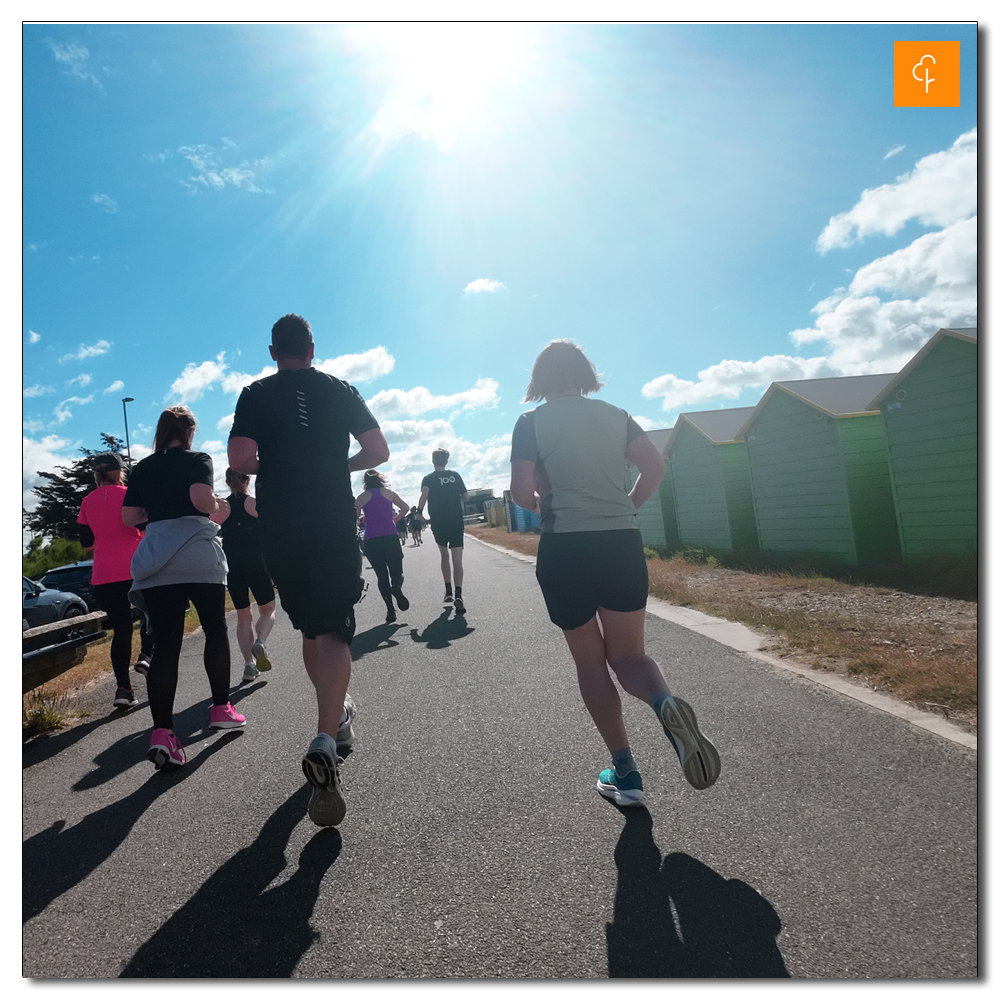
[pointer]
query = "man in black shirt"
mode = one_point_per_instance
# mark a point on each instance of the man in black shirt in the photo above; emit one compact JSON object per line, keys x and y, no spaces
{"x":446,"y":493}
{"x":293,"y":430}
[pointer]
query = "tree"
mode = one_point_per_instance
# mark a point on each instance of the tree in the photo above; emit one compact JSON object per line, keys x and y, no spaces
{"x":59,"y":501}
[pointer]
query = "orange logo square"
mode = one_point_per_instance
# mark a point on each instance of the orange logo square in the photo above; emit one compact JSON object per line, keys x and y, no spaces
{"x":925,"y":74}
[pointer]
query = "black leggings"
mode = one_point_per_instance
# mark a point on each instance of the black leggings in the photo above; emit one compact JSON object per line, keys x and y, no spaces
{"x":166,"y":607}
{"x":385,"y":553}
{"x":113,"y":598}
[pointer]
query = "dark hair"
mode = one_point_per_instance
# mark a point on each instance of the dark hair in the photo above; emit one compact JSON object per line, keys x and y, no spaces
{"x":373,"y":479}
{"x":176,"y":423}
{"x":561,"y":367}
{"x":235,"y":479}
{"x":291,"y":337}
{"x":440,"y":457}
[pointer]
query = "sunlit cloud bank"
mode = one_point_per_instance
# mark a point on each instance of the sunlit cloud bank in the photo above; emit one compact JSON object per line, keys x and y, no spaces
{"x":892,"y":305}
{"x":42,"y":456}
{"x":413,"y":402}
{"x":364,"y":367}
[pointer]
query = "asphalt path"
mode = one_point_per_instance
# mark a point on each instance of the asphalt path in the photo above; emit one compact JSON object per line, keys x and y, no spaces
{"x":839,"y":842}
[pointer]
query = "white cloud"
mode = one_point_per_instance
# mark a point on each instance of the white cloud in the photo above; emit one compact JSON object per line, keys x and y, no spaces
{"x":481,"y":285}
{"x":106,"y":202}
{"x":404,"y":432}
{"x":644,"y":422}
{"x":195,"y":379}
{"x":236,"y":381}
{"x":75,"y":59}
{"x":34,"y":337}
{"x":63,"y":412}
{"x":101,"y":347}
{"x":115,"y":386}
{"x":892,"y":152}
{"x":36,"y":390}
{"x":42,"y":456}
{"x":226,"y":423}
{"x":365,"y":367}
{"x":939,"y":191}
{"x":213,"y":175}
{"x":80,"y":380}
{"x":393,"y":402}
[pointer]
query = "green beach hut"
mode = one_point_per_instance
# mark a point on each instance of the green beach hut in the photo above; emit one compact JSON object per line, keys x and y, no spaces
{"x":710,"y":475}
{"x":930,"y":413}
{"x":819,"y":470}
{"x":657,"y":522}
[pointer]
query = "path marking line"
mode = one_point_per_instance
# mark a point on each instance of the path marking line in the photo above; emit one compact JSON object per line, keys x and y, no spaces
{"x":745,"y":640}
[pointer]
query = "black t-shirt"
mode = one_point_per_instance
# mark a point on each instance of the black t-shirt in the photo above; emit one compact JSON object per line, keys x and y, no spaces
{"x":161,"y":483}
{"x":444,"y":487}
{"x":302,"y":421}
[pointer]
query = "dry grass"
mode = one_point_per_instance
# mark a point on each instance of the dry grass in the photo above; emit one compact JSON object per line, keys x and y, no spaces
{"x":923,"y":649}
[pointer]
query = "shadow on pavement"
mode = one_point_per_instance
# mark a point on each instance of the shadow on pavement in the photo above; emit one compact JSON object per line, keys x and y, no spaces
{"x":677,"y":918}
{"x":57,"y":859}
{"x":373,"y":639}
{"x":443,"y":630}
{"x":234,"y":926}
{"x":44,"y":747}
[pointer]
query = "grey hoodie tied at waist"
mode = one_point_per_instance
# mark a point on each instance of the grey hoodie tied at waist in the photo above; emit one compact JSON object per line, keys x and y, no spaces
{"x":179,"y":550}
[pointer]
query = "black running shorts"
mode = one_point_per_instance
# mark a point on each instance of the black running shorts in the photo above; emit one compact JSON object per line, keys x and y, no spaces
{"x":242,"y":580}
{"x":581,"y":571}
{"x":449,"y":533}
{"x":318,"y":578}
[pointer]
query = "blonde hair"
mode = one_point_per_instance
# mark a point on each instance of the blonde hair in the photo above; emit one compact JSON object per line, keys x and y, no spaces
{"x":561,"y":367}
{"x":239,"y":482}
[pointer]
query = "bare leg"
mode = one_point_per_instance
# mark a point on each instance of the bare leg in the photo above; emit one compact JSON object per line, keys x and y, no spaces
{"x":244,"y":632}
{"x":586,"y":644}
{"x":265,"y":621}
{"x":638,"y":674}
{"x":445,"y":563}
{"x":456,"y":558}
{"x":328,"y":664}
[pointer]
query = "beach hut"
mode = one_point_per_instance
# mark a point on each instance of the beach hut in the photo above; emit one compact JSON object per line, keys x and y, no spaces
{"x":710,"y":476}
{"x":657,"y":522}
{"x":930,"y":414}
{"x":819,"y":470}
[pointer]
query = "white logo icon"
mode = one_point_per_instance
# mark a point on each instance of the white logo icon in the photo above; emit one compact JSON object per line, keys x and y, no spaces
{"x":926,"y":79}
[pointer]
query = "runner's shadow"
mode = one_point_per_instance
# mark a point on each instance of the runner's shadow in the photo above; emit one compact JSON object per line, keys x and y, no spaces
{"x":43,"y":748}
{"x":56,"y":859}
{"x":374,"y":639}
{"x":234,"y":926}
{"x":443,"y":630}
{"x":681,"y":919}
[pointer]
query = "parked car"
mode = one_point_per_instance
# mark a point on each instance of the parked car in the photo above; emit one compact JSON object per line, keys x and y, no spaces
{"x":41,"y":605}
{"x":74,"y":578}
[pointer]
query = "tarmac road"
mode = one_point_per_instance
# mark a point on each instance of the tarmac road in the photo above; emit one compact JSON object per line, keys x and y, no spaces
{"x":839,"y":842}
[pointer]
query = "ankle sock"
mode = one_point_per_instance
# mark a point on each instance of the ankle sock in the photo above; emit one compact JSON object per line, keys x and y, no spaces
{"x":658,"y":701}
{"x":447,"y":588}
{"x":458,"y":591}
{"x":623,"y":762}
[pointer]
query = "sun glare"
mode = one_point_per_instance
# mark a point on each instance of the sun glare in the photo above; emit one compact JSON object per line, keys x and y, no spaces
{"x":442,"y":78}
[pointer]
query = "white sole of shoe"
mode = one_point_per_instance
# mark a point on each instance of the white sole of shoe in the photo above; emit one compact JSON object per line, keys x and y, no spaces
{"x":327,"y":806}
{"x":701,"y":764}
{"x":631,"y":797}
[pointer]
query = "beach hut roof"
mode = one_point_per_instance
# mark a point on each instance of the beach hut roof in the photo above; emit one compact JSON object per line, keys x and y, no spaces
{"x":970,"y":334}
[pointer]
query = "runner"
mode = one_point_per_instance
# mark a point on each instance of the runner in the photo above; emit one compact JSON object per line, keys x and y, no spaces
{"x":114,"y":544}
{"x":445,"y":492}
{"x":293,"y":429}
{"x":179,"y":560}
{"x":415,"y":523}
{"x":246,"y":574}
{"x":568,"y":460}
{"x":382,"y":544}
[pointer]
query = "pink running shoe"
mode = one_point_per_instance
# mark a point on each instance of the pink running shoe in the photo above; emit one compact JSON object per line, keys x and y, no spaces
{"x":226,"y":717}
{"x":165,"y":750}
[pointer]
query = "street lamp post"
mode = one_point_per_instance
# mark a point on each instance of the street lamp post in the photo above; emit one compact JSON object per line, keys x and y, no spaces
{"x":128,"y":447}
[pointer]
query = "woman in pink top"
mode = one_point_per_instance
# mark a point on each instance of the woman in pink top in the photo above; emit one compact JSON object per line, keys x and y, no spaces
{"x":114,"y":544}
{"x":381,"y":544}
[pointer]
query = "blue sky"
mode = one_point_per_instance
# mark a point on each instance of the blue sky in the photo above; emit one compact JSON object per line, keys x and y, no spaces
{"x":703,"y":208}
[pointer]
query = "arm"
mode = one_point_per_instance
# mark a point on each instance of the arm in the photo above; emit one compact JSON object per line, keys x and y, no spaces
{"x":243,"y":455}
{"x":374,"y":451}
{"x":361,"y":501}
{"x":87,"y":536}
{"x":250,"y":506}
{"x":395,"y":498}
{"x":132,"y":516}
{"x":203,"y":499}
{"x":643,"y":454}
{"x":422,"y":501}
{"x":522,"y":484}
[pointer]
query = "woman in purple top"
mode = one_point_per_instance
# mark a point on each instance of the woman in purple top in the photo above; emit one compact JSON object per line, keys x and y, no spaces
{"x":381,"y":543}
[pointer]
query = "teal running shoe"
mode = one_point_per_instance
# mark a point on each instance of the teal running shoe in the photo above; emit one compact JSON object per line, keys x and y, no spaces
{"x":623,"y":790}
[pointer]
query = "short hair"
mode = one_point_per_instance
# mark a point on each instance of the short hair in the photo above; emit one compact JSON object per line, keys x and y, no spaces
{"x":440,"y":457}
{"x":561,"y":367}
{"x":374,"y":479}
{"x":291,"y":337}
{"x":234,"y":478}
{"x":176,"y":423}
{"x":108,"y":468}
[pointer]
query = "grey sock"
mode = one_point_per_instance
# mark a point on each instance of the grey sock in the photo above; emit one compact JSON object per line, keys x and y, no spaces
{"x":658,"y":701}
{"x":623,"y":761}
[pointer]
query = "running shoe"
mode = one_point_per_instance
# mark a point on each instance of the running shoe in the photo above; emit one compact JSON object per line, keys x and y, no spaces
{"x":259,"y":652}
{"x":165,"y":750}
{"x":345,"y":732}
{"x":448,"y":598}
{"x":390,"y":616}
{"x":250,"y":672}
{"x":142,"y":665}
{"x":622,"y":789}
{"x":401,"y":600}
{"x":459,"y":606}
{"x":321,"y":766}
{"x":226,"y":717}
{"x":327,"y":806}
{"x":124,"y":698}
{"x":697,"y":754}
